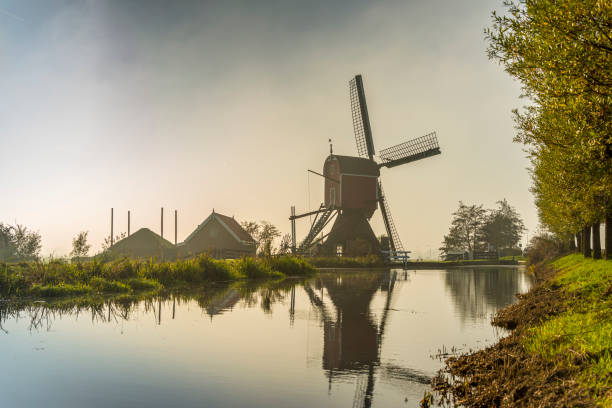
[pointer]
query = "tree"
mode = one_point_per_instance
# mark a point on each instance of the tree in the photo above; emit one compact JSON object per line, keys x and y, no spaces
{"x":264,"y":234}
{"x":466,"y":229}
{"x":285,"y":245}
{"x":561,"y":53}
{"x":503,"y":226}
{"x":80,"y":247}
{"x":267,"y":234}
{"x":19,"y":243}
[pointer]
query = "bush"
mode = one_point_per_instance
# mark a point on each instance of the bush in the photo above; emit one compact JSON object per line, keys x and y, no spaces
{"x":58,"y":290}
{"x":103,"y":285}
{"x":544,"y":247}
{"x":138,"y":284}
{"x":255,"y":269}
{"x":290,"y":265}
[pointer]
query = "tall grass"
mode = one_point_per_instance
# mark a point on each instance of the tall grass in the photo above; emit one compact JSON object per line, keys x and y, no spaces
{"x":62,"y":278}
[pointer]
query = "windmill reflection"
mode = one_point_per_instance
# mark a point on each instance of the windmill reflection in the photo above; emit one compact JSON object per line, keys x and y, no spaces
{"x":353,"y":335}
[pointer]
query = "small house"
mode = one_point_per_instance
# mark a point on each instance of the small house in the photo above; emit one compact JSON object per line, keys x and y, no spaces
{"x":220,"y":236}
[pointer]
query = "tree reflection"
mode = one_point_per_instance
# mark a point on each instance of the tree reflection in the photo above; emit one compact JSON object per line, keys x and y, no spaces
{"x":479,"y":292}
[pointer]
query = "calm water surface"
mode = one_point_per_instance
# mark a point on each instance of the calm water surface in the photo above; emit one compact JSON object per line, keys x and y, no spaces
{"x":341,"y":339}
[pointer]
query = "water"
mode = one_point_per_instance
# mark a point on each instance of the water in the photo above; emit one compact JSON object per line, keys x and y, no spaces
{"x":341,"y":339}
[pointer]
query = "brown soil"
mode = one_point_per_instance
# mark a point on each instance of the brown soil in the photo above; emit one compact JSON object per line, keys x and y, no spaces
{"x":505,"y":374}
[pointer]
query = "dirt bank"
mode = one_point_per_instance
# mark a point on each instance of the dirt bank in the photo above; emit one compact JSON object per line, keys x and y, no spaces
{"x":511,"y":374}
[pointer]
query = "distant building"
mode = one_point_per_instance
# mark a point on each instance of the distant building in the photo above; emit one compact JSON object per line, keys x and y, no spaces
{"x":144,"y":243}
{"x":456,"y":255}
{"x":220,"y":236}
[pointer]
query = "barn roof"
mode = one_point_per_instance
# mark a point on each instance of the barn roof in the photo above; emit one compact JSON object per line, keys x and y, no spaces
{"x":142,"y":243}
{"x":357,"y":165}
{"x":229,"y":223}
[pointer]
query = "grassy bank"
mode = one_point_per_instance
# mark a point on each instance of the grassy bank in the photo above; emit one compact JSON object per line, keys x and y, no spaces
{"x":61,"y":278}
{"x":560,"y":350}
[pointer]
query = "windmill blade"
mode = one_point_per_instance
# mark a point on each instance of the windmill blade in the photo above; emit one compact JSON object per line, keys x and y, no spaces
{"x":361,"y":120}
{"x":395,"y":243}
{"x":412,"y":150}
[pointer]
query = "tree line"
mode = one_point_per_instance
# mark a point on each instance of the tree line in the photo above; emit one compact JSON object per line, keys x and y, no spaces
{"x":474,"y":228}
{"x":561,"y":52}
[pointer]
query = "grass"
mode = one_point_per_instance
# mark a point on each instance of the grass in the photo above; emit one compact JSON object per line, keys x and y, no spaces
{"x":582,"y":334}
{"x":57,"y":278}
{"x":369,"y":261}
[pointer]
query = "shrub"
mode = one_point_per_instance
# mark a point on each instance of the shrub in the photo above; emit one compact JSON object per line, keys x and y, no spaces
{"x":138,"y":284}
{"x":254,"y":269}
{"x":544,"y":247}
{"x":61,"y":289}
{"x":290,"y":265}
{"x":103,"y":285}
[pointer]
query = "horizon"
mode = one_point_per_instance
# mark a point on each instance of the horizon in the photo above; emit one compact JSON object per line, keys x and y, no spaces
{"x":179,"y":107}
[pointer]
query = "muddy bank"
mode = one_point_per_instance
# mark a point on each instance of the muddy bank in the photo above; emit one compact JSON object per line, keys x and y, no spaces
{"x":507,"y":374}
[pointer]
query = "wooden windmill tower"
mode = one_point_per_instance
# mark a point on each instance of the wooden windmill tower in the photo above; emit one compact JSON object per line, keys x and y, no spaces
{"x":353,"y":190}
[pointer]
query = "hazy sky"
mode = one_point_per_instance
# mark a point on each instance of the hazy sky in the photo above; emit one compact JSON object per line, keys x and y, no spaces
{"x":195,"y":105}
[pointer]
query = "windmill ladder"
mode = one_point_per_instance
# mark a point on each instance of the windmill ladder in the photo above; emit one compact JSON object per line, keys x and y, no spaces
{"x":317,"y":227}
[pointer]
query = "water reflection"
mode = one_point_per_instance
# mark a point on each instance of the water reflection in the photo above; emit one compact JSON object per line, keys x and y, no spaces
{"x":480,"y":292}
{"x":375,"y":331}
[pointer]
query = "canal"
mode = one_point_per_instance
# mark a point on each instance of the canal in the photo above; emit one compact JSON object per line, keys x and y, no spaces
{"x":339,"y":339}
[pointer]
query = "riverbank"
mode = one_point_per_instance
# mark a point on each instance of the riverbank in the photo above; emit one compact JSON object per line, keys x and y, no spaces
{"x":559,"y":352}
{"x":59,"y":278}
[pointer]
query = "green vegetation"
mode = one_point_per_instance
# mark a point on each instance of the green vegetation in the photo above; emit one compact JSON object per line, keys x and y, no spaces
{"x":369,"y":261}
{"x":474,"y":228}
{"x":584,"y":331}
{"x":560,"y":52}
{"x":57,"y":278}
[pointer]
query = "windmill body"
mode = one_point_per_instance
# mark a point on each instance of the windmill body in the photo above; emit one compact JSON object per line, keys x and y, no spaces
{"x":353,"y":190}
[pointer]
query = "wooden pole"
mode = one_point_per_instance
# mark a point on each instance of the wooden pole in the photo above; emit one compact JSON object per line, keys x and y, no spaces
{"x":112,"y":227}
{"x":293,"y":247}
{"x":128,"y":223}
{"x":175,"y":227}
{"x":596,"y":241}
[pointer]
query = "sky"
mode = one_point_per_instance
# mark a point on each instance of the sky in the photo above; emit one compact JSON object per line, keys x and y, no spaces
{"x":195,"y":105}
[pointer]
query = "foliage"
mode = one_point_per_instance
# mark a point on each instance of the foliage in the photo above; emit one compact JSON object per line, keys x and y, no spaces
{"x":290,"y":265}
{"x":474,"y":228}
{"x":466,"y":229}
{"x":503,"y":226}
{"x":544,"y":247}
{"x":264,"y":234}
{"x":561,"y":52}
{"x":19,"y":243}
{"x":285,"y":245}
{"x":347,"y":262}
{"x":80,"y":247}
{"x":58,"y":277}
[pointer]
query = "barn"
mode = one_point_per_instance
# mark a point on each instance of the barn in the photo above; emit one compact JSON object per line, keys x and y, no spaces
{"x":143,"y":243}
{"x":220,"y":236}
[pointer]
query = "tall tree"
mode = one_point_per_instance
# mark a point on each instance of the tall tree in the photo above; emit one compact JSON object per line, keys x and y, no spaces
{"x":503,"y":226}
{"x":466,"y":229}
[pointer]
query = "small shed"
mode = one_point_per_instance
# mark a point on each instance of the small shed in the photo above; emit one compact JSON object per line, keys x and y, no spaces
{"x":220,"y":236}
{"x":144,"y":243}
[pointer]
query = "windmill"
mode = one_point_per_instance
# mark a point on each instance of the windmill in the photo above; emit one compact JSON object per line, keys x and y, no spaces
{"x":353,"y":190}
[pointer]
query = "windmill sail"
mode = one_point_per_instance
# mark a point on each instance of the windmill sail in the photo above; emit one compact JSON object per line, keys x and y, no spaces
{"x":361,"y":120}
{"x":395,"y":243}
{"x":412,"y":150}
